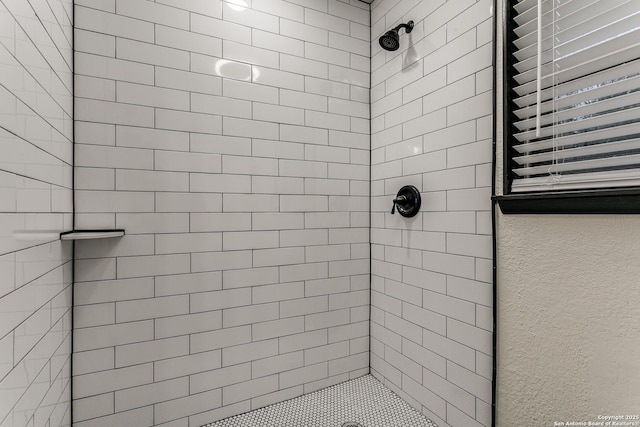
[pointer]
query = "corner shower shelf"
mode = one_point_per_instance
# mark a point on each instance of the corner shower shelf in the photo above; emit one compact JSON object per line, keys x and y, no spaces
{"x":91,"y":234}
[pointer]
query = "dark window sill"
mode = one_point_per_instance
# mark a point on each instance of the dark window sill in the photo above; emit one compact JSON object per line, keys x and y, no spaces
{"x":610,"y":201}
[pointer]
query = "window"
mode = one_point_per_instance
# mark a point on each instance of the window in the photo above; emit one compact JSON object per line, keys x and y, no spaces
{"x":572,"y":106}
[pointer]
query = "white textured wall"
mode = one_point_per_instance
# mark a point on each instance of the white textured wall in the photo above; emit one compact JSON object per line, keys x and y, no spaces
{"x":431,"y":317}
{"x":568,"y":322}
{"x":232,"y":144}
{"x":35,"y":196}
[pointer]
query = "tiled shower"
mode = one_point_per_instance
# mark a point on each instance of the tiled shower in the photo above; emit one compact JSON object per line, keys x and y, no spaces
{"x":251,"y":151}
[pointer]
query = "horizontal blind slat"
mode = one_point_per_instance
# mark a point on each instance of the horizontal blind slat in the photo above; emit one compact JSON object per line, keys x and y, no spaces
{"x":616,"y":132}
{"x":583,"y":111}
{"x":595,"y":79}
{"x":579,"y":165}
{"x":592,"y":180}
{"x":588,"y":62}
{"x":564,"y":101}
{"x":612,"y":148}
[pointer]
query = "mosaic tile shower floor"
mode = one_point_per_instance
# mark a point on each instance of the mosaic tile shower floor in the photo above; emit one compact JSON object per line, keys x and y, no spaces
{"x":363,"y":400}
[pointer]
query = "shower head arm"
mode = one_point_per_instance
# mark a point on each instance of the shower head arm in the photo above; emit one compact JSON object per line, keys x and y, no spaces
{"x":408,"y":27}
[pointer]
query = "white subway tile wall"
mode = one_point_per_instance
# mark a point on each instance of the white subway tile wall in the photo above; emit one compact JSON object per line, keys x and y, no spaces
{"x":231,"y":140}
{"x":35,"y":206}
{"x":431,"y":293}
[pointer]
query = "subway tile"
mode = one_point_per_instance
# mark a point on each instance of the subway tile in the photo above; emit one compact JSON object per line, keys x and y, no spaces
{"x":321,"y":86}
{"x":135,"y":180}
{"x":220,"y":377}
{"x":221,"y":29}
{"x":303,"y":375}
{"x":300,"y":31}
{"x":209,"y":104}
{"x":278,"y":114}
{"x":249,"y":54}
{"x":151,"y":54}
{"x":218,"y":339}
{"x":114,"y":201}
{"x":149,"y":394}
{"x":220,"y":183}
{"x":284,"y":44}
{"x":188,"y":81}
{"x":276,"y":185}
{"x":326,"y":54}
{"x":184,"y":406}
{"x":110,"y":112}
{"x":322,"y":20}
{"x":217,"y":300}
{"x":187,"y":121}
{"x":277,"y":292}
{"x":142,"y":309}
{"x":251,"y":314}
{"x":274,"y":257}
{"x":137,"y":223}
{"x":186,"y":365}
{"x":276,"y":364}
{"x":251,"y":18}
{"x":326,"y":353}
{"x":187,"y":324}
{"x":112,"y":68}
{"x":159,"y":139}
{"x":100,"y":382}
{"x":250,"y":277}
{"x":187,"y":283}
{"x":187,"y":41}
{"x":158,"y":349}
{"x":250,"y":128}
{"x":221,"y":260}
{"x":304,"y":134}
{"x":219,"y":144}
{"x":257,"y":387}
{"x":470,"y":290}
{"x":93,"y":407}
{"x":302,"y":341}
{"x":249,"y":352}
{"x":93,"y":360}
{"x":250,"y":91}
{"x":327,"y":319}
{"x":188,"y":243}
{"x":111,"y":335}
{"x":156,"y":265}
{"x":203,"y":222}
{"x":277,"y":149}
{"x":156,"y":13}
{"x":303,"y":237}
{"x":282,"y":9}
{"x":95,"y":43}
{"x":95,"y":88}
{"x":350,"y":44}
{"x":188,"y":202}
{"x":112,"y":24}
{"x":304,"y":66}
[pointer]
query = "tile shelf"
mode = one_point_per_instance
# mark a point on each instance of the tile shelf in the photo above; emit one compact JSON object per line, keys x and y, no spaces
{"x":91,"y":234}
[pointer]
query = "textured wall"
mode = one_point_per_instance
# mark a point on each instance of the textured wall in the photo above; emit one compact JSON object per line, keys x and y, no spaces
{"x":232,"y":144}
{"x":567,"y":314}
{"x":431,"y":317}
{"x":36,"y":153}
{"x":567,"y":318}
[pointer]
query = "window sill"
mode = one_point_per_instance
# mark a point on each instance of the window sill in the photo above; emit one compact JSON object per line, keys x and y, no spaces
{"x":610,"y":201}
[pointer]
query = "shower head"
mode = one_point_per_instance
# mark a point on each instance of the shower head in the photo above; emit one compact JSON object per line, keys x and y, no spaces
{"x":391,"y":39}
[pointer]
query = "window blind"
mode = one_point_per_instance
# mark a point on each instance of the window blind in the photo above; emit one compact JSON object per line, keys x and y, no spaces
{"x":576,"y":99}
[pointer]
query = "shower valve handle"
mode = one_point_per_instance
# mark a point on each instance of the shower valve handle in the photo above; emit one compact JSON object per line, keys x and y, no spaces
{"x":402,"y":199}
{"x":407,"y":201}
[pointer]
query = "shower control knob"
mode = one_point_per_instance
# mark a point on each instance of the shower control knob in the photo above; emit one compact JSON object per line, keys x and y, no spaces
{"x":407,"y":201}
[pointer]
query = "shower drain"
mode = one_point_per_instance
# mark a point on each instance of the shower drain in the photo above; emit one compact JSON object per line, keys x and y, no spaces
{"x":352,"y":424}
